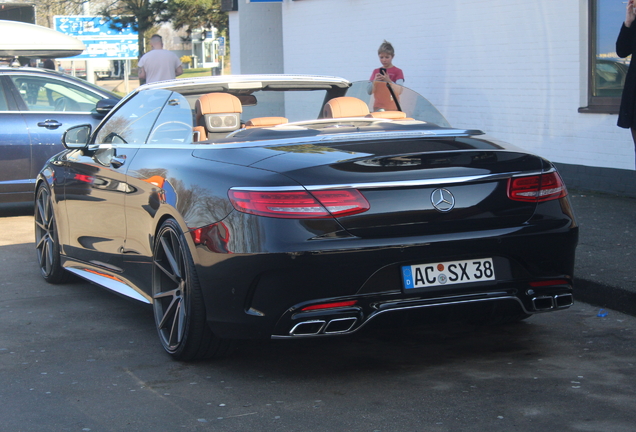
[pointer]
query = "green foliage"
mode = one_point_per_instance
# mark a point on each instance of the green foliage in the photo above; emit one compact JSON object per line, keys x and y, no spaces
{"x":198,"y":72}
{"x":197,"y":14}
{"x":145,"y":15}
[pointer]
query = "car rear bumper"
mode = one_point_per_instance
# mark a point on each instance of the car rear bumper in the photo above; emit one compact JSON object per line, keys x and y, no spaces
{"x":350,"y":320}
{"x":533,"y":274}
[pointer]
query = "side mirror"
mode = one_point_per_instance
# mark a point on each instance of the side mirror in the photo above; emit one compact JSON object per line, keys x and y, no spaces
{"x":77,"y":137}
{"x":104,"y":106}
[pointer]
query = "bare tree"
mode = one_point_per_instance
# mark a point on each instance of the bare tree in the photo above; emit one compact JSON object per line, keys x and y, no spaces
{"x":47,"y":9}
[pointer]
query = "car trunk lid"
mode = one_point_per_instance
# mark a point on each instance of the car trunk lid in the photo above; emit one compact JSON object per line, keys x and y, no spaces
{"x":416,"y":187}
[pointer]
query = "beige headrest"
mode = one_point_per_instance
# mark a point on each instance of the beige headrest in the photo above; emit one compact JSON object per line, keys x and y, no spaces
{"x":217,"y":103}
{"x":392,"y":115}
{"x":345,"y":106}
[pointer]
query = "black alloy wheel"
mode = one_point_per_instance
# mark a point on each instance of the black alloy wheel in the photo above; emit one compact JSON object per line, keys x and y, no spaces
{"x":46,"y":241}
{"x":177,"y":301}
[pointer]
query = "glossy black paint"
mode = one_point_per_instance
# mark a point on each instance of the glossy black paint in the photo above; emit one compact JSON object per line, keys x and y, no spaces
{"x":256,"y":273}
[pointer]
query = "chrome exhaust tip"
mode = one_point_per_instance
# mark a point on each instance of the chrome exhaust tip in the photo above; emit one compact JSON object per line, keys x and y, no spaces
{"x":563,"y":300}
{"x":340,"y":325}
{"x":307,"y":328}
{"x":543,"y":303}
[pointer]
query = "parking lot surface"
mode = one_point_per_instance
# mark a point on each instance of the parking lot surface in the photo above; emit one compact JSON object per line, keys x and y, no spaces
{"x":75,"y":357}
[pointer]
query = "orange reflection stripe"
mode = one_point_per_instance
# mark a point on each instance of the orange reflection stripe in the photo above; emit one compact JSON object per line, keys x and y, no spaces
{"x":105,"y":275}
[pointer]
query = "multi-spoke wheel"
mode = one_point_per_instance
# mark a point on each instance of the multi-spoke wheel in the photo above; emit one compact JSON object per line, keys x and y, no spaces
{"x":46,"y":240}
{"x":177,"y":300}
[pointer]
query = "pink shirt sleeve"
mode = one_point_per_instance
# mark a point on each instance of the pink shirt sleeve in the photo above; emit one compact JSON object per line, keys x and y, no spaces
{"x":396,"y":74}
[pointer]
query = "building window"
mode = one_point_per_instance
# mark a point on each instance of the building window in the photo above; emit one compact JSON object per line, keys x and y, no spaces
{"x":229,"y":5}
{"x":607,"y":72}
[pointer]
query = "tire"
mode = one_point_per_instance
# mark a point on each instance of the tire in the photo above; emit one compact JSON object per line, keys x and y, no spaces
{"x":178,"y":305}
{"x":46,"y":240}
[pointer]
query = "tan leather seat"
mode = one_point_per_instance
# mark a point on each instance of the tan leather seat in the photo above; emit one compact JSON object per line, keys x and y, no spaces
{"x":391,"y":115}
{"x":218,"y":112}
{"x":199,"y":134}
{"x":345,"y":106}
{"x":265,"y":122}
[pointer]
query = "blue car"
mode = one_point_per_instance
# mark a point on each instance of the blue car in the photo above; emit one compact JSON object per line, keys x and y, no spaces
{"x":36,"y":107}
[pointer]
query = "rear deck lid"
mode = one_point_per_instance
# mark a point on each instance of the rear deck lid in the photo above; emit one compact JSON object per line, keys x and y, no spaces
{"x":416,"y":187}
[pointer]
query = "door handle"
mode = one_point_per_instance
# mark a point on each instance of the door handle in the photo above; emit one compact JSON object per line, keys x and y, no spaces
{"x":50,"y":124}
{"x":118,"y":161}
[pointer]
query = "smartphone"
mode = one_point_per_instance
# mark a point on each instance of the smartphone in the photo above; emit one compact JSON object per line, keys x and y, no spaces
{"x":382,"y":71}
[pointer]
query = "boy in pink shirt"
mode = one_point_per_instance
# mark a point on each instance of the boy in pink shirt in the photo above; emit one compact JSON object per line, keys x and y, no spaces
{"x":388,"y":74}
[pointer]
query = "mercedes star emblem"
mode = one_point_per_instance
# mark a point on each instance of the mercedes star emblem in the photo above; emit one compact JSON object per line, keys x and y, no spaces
{"x":442,"y":200}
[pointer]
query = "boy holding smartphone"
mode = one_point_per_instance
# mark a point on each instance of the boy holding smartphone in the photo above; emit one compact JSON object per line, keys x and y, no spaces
{"x":388,"y":74}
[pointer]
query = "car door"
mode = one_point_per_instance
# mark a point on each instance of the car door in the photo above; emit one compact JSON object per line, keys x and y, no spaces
{"x":49,"y":105}
{"x":15,"y":149}
{"x":95,"y":187}
{"x":153,"y":174}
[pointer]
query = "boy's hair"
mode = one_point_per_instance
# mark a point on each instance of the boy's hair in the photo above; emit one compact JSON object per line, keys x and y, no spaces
{"x":386,"y":48}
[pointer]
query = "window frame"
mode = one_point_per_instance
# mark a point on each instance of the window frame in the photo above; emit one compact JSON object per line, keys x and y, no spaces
{"x":145,"y":120}
{"x":596,"y":104}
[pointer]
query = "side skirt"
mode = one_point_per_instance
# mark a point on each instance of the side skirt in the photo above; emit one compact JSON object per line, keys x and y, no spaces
{"x":110,"y":282}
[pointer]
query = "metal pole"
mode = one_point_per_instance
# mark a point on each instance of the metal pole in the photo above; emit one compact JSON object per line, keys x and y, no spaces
{"x":90,"y":68}
{"x":126,"y":73}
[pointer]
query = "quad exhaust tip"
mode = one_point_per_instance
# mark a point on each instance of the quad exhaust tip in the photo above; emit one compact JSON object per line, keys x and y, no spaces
{"x":547,"y":303}
{"x":315,"y":327}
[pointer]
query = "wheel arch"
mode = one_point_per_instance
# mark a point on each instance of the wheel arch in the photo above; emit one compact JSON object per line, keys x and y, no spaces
{"x":165,"y":215}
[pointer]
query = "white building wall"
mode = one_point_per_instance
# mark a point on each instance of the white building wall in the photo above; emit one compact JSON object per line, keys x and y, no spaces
{"x":234,"y":24}
{"x":514,"y":68}
{"x":256,"y":38}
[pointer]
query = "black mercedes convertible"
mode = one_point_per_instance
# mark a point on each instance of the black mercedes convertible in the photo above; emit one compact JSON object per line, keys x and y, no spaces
{"x":283,"y":206}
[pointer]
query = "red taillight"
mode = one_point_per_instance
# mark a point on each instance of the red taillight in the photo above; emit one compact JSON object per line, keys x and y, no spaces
{"x":299,"y":204}
{"x":537,"y":188}
{"x":330,"y":305}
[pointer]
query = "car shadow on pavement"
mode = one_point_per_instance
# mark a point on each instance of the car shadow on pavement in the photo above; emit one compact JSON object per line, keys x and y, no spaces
{"x":389,"y":349}
{"x":16,"y":209}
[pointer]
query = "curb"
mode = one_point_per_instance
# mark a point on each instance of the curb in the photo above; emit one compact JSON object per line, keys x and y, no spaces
{"x":605,"y":296}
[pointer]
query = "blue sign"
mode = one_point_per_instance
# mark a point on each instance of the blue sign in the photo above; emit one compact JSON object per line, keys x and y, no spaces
{"x":114,"y":49}
{"x":221,"y":49}
{"x":89,"y":26}
{"x":102,"y":42}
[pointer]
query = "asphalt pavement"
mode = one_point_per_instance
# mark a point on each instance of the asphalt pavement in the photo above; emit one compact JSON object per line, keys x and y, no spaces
{"x":605,"y":269}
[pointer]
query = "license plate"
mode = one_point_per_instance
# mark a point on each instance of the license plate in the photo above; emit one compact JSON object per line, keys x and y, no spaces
{"x":448,"y":273}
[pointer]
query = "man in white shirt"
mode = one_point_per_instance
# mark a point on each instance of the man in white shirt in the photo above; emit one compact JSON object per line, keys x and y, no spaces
{"x":159,"y":64}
